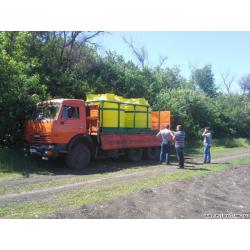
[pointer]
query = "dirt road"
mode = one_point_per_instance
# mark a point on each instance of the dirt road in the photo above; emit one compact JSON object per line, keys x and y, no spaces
{"x":18,"y":194}
{"x":185,"y":199}
{"x":218,"y":195}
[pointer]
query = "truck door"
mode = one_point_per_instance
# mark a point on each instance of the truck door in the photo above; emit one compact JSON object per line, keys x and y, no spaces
{"x":70,"y":123}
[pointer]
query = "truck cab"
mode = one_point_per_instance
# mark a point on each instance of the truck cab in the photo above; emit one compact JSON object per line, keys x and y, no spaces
{"x":55,"y":126}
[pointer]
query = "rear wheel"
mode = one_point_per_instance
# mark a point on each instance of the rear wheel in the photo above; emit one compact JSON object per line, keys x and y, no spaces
{"x":152,"y":153}
{"x":79,"y":157}
{"x":134,"y":154}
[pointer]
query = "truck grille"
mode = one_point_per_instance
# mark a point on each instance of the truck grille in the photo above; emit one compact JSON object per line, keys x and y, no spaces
{"x":41,"y":138}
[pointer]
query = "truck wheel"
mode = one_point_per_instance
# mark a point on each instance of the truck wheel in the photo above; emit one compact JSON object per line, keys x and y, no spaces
{"x":134,"y":154}
{"x":79,"y":157}
{"x":152,"y":153}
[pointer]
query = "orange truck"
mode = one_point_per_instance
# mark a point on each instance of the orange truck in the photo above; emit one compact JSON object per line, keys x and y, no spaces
{"x":73,"y":129}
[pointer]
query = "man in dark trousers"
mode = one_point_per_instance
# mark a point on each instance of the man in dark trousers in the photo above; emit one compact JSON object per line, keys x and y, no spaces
{"x":165,"y":144}
{"x":179,"y":137}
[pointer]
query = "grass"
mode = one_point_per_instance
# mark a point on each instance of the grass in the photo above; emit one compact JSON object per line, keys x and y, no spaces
{"x":87,"y":196}
{"x":219,"y":145}
{"x":13,"y":163}
{"x":24,"y":187}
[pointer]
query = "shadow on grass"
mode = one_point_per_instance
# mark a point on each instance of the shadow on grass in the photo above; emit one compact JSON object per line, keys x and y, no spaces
{"x":201,"y":169}
{"x":14,"y":161}
{"x":201,"y":163}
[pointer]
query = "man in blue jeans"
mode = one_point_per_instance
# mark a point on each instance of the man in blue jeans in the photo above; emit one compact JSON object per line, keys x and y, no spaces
{"x":207,"y":145}
{"x":179,"y":137}
{"x":165,"y":144}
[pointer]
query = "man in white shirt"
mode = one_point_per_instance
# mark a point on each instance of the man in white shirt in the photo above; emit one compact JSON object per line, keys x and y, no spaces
{"x":166,"y":135}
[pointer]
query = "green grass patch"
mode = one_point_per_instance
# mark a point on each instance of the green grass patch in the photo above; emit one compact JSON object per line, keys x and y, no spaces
{"x":14,"y":164}
{"x":219,"y":145}
{"x":25,"y":187}
{"x":82,"y":197}
{"x":231,"y":143}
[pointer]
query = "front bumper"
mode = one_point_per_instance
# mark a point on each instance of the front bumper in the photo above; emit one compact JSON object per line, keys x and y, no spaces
{"x":45,"y":151}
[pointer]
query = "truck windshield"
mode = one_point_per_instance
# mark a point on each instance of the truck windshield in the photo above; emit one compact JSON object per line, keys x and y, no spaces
{"x":46,"y":111}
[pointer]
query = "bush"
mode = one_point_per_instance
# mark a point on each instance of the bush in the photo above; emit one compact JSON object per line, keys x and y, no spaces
{"x":228,"y":116}
{"x":190,"y":108}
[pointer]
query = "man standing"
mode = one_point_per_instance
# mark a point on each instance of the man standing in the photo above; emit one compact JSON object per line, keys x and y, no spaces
{"x":207,"y":145}
{"x":179,"y":137}
{"x":165,"y":144}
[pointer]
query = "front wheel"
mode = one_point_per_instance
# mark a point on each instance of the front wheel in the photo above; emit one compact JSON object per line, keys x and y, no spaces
{"x":79,"y":157}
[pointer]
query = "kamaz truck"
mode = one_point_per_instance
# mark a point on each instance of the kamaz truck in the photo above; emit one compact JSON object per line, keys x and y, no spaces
{"x":76,"y":130}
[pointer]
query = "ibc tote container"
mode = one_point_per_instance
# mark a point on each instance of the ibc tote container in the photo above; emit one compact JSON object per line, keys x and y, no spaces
{"x":112,"y":113}
{"x":137,"y":113}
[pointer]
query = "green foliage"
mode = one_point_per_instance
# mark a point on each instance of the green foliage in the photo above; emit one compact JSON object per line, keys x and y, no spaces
{"x":40,"y":65}
{"x":204,"y":80}
{"x":245,"y":84}
{"x":16,"y":88}
{"x":232,"y":115}
{"x":190,"y":108}
{"x":227,"y":115}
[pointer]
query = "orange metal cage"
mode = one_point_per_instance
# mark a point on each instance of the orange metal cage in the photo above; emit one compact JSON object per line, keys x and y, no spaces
{"x":93,"y":119}
{"x":160,"y":119}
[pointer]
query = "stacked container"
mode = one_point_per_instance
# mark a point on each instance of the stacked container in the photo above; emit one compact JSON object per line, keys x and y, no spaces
{"x":137,"y":113}
{"x":118,"y":112}
{"x":112,"y":113}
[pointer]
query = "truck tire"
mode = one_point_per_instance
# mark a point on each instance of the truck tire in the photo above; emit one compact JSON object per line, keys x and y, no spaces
{"x":152,"y":153}
{"x":79,"y":157}
{"x":134,"y":154}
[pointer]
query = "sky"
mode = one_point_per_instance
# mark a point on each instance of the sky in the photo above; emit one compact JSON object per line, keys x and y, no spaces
{"x":225,"y":51}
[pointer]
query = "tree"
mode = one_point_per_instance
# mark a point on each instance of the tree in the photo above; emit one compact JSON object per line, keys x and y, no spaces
{"x":20,"y":89}
{"x":140,"y":53}
{"x":227,"y":115}
{"x":162,"y":60}
{"x":204,"y":79}
{"x":227,"y":81}
{"x":245,"y":84}
{"x":233,"y":112}
{"x":39,"y":65}
{"x":193,"y":109}
{"x":65,"y":58}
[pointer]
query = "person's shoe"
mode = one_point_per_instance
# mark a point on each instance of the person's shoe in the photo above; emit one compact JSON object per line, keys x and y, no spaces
{"x":168,"y":163}
{"x":181,"y":167}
